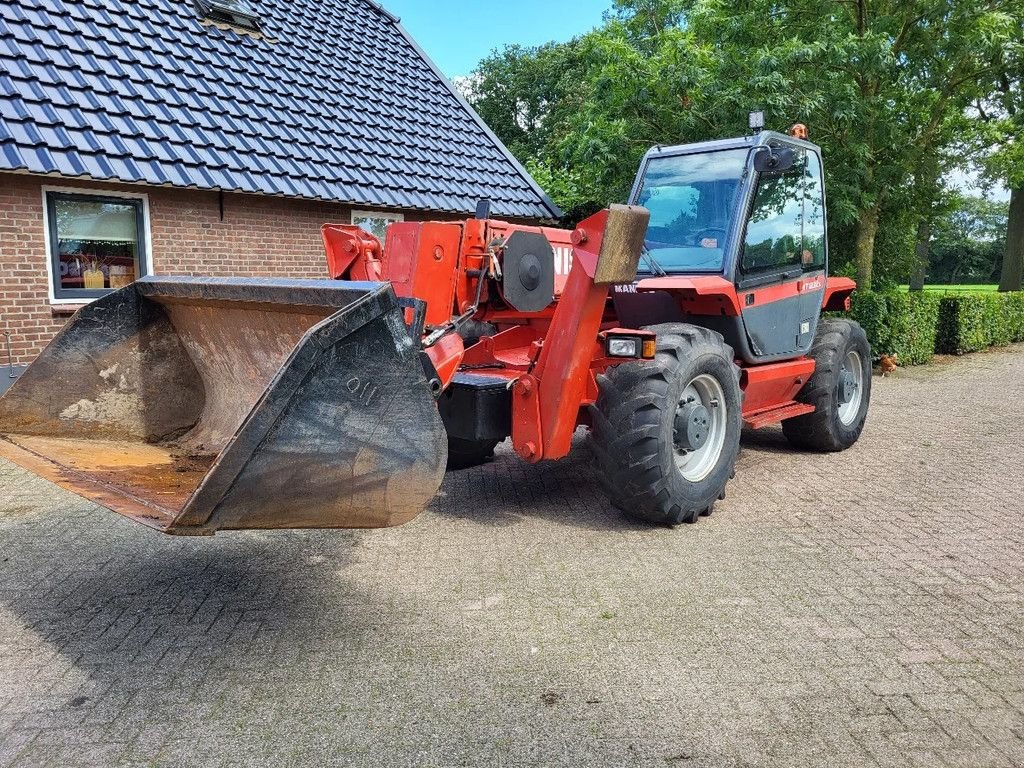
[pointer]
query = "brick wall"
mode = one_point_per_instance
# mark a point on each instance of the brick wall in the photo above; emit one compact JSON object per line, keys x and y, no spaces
{"x":259,"y":236}
{"x":24,"y":305}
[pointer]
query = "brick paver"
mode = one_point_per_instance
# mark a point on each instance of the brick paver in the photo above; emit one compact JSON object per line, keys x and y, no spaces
{"x":859,"y":609}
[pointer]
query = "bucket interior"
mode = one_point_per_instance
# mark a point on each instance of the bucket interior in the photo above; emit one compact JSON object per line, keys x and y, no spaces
{"x":133,"y":403}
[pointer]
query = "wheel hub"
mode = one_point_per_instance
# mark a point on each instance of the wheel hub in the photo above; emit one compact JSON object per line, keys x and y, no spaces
{"x":693,"y":424}
{"x":847,"y":386}
{"x":530,"y":272}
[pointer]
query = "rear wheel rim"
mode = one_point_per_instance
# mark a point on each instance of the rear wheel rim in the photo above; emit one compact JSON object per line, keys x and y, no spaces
{"x":854,"y":366}
{"x":695,"y":465}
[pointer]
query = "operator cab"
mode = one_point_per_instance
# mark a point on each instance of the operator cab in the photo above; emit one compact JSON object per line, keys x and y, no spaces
{"x":750,"y":211}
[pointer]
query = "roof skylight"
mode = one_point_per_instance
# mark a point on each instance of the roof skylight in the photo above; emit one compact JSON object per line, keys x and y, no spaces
{"x":237,"y":13}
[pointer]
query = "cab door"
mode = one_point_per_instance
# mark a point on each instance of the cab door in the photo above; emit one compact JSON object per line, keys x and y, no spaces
{"x":781,"y":263}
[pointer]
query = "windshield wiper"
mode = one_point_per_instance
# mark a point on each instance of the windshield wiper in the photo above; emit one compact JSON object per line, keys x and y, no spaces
{"x":655,"y":266}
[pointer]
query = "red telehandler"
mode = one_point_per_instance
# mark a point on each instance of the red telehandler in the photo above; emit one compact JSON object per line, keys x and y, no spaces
{"x":199,"y":404}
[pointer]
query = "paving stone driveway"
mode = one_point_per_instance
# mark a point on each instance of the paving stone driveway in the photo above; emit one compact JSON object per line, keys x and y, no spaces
{"x":845,"y":610}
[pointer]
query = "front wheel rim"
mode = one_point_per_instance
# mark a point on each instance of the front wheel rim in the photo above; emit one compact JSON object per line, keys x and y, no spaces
{"x":854,"y":367}
{"x":696,"y":464}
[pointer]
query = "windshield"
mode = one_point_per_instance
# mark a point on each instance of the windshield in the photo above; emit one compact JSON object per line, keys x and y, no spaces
{"x":692,"y":199}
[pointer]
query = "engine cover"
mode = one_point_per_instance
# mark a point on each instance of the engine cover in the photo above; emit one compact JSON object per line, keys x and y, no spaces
{"x":528,"y":271}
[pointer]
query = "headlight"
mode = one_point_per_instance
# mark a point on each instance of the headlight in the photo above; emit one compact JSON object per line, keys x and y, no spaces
{"x":626,"y":343}
{"x":623,"y":347}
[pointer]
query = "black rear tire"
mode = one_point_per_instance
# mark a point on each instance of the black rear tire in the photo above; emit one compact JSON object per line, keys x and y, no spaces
{"x":825,"y":430}
{"x":463,"y":454}
{"x":635,"y":427}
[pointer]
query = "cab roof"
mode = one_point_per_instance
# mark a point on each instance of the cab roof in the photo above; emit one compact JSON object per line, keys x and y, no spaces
{"x":713,"y":145}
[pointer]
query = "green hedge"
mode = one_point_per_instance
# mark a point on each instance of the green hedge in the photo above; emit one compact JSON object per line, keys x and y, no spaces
{"x":973,"y":322}
{"x":1015,"y":315}
{"x":900,"y":324}
{"x":914,"y":326}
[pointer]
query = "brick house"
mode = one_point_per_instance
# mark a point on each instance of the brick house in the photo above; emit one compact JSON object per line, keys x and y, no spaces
{"x":215,"y":137}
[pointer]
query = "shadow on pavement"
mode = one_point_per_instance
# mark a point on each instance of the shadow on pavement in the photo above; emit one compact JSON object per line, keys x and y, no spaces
{"x":506,"y":490}
{"x":766,"y":440}
{"x":133,"y":610}
{"x":146,"y":647}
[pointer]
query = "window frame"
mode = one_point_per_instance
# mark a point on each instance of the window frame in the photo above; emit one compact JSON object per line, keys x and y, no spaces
{"x":77,"y":296}
{"x":736,"y":223}
{"x":246,"y":18}
{"x":392,"y":217}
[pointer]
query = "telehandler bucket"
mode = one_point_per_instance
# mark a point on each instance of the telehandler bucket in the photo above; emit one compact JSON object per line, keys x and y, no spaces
{"x":194,"y":405}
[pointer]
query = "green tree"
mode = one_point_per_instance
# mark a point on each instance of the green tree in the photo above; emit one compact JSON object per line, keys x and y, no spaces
{"x":526,"y":95}
{"x":999,"y":128}
{"x":969,"y":241}
{"x":880,"y":83}
{"x":596,"y":104}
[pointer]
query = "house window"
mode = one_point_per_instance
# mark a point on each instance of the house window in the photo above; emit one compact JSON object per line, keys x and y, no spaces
{"x":97,"y":243}
{"x":375,"y":222}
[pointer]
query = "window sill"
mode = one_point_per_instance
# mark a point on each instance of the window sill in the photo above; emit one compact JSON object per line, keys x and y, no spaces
{"x":64,"y":310}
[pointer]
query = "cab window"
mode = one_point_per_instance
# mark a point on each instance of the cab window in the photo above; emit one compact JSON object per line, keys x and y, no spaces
{"x":692,"y":200}
{"x":787,"y":220}
{"x":813,"y":257}
{"x":774,"y":230}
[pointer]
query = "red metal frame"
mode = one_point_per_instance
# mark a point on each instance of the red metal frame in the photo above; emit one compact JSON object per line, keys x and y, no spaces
{"x":702,"y":295}
{"x":550,"y":359}
{"x":553,"y":392}
{"x":768,"y":390}
{"x":837,"y":294}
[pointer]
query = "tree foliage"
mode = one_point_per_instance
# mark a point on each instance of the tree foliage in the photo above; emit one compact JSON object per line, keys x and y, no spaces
{"x":968,"y":242}
{"x":884,"y":86}
{"x":997,"y":141}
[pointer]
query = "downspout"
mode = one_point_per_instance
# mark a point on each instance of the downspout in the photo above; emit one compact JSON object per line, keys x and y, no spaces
{"x":10,"y":355}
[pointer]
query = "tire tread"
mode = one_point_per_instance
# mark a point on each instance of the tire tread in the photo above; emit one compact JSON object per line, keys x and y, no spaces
{"x":820,"y":430}
{"x":627,"y":422}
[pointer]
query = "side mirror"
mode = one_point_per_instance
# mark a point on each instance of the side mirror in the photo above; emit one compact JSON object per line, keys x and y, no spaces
{"x":774,"y":160}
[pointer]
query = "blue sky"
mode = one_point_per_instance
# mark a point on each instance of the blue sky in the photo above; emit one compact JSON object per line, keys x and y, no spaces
{"x":456,"y":34}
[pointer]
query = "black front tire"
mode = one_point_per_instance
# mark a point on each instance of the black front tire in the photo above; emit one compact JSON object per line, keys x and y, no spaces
{"x":633,"y":434}
{"x":824,"y":430}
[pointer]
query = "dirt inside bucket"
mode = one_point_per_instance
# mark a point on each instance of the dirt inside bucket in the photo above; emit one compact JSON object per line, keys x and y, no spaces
{"x":158,"y":475}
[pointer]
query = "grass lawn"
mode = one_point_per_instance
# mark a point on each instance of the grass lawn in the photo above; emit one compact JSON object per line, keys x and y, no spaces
{"x":959,"y":288}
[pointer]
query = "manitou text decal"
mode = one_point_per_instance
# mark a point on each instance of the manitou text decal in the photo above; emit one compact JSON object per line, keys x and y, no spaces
{"x":816,"y":284}
{"x":563,"y":259}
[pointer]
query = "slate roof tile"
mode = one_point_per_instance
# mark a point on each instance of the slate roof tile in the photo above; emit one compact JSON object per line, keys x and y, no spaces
{"x":333,"y":101}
